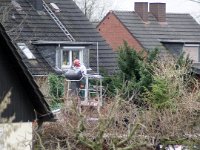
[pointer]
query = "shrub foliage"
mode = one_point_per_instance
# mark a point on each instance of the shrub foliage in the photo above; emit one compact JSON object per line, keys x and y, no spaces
{"x":171,"y":115}
{"x":56,"y":89}
{"x":135,"y":73}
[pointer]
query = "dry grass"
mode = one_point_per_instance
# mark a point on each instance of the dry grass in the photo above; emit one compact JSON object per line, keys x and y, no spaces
{"x":122,"y":125}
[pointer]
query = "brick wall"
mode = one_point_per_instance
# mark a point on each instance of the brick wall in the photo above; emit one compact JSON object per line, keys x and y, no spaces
{"x":141,"y":8}
{"x":115,"y":33}
{"x":159,"y":11}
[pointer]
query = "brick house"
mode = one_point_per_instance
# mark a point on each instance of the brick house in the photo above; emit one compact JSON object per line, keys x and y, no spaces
{"x":150,"y":27}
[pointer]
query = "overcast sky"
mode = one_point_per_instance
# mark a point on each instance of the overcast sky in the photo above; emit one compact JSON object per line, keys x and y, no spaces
{"x":178,"y":6}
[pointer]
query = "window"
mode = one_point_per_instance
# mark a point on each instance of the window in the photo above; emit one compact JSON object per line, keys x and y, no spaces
{"x":16,"y":5}
{"x":68,"y":55}
{"x":26,"y":51}
{"x":55,"y":7}
{"x":66,"y":58}
{"x":193,"y":51}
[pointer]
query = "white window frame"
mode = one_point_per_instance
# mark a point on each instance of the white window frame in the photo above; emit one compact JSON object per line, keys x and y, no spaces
{"x":71,"y":49}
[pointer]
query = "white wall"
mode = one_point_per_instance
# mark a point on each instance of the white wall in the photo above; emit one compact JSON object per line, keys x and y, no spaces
{"x":16,"y":136}
{"x":193,"y":51}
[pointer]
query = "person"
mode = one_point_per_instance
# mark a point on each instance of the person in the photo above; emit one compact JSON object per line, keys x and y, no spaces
{"x":78,"y":65}
{"x":81,"y":84}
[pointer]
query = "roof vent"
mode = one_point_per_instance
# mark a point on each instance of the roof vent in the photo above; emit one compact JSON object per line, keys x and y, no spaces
{"x":55,"y":7}
{"x":16,"y":5}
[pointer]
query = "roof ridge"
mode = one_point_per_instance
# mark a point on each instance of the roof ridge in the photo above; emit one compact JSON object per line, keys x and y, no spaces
{"x":177,"y":13}
{"x":132,"y":11}
{"x":121,"y":11}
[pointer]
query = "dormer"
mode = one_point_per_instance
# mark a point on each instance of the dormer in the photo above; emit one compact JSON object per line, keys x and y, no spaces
{"x":61,"y":54}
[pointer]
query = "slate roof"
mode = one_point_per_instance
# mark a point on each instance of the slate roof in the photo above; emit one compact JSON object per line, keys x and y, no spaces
{"x":177,"y":28}
{"x":30,"y":25}
{"x":37,"y":99}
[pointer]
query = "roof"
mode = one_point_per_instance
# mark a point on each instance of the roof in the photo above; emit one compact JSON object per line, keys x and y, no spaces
{"x":29,"y":25}
{"x":40,"y":42}
{"x":37,"y":99}
{"x":178,"y":27}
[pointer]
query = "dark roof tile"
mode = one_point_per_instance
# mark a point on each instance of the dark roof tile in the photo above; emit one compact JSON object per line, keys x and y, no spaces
{"x":177,"y":27}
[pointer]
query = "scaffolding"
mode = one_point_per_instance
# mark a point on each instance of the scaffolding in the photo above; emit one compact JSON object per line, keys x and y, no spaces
{"x":92,"y":92}
{"x":89,"y":89}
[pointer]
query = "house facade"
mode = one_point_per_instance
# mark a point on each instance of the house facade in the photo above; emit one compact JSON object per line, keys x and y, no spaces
{"x":50,"y":34}
{"x":150,"y":27}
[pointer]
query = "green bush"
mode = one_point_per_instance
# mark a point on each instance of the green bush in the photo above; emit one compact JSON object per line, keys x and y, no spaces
{"x":134,"y":75}
{"x":56,"y":89}
{"x":170,"y":79}
{"x":161,"y":95}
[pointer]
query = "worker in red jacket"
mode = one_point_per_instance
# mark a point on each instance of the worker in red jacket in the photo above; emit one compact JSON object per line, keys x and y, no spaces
{"x":81,"y":84}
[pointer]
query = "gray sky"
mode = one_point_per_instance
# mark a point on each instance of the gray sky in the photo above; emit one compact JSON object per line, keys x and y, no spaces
{"x":178,"y":6}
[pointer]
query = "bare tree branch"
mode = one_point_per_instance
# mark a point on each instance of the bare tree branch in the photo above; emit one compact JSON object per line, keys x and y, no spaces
{"x":93,"y":9}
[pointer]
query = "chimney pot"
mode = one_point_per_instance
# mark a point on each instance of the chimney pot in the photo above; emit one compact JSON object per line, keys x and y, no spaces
{"x":159,"y":11}
{"x":141,"y":8}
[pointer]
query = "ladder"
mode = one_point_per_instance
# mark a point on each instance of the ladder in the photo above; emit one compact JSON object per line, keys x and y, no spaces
{"x":58,"y":22}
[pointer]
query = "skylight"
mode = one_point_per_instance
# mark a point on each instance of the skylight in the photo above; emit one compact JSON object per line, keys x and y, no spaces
{"x":16,"y":5}
{"x":55,"y":7}
{"x":26,"y":51}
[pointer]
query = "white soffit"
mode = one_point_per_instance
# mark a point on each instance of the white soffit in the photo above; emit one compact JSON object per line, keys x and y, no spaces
{"x":73,"y":47}
{"x":191,"y":45}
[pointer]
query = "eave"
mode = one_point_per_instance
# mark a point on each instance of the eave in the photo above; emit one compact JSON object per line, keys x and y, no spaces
{"x":42,"y":42}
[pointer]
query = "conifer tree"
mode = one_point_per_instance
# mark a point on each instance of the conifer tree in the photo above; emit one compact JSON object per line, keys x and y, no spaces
{"x":135,"y":74}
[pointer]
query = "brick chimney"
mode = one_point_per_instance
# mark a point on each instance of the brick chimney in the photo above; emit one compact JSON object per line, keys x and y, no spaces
{"x":159,"y":11}
{"x":141,"y":8}
{"x":37,"y":4}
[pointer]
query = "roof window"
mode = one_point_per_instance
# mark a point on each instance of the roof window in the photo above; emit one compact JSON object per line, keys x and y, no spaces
{"x":55,"y":7}
{"x":26,"y":51}
{"x":16,"y":5}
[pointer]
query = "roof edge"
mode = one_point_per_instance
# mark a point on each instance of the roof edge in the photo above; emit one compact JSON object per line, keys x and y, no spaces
{"x":179,"y":41}
{"x":129,"y":31}
{"x":42,"y":42}
{"x":26,"y":72}
{"x":110,"y":12}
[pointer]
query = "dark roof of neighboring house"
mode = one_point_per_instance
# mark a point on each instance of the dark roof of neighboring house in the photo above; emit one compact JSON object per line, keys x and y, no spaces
{"x":37,"y":99}
{"x":151,"y":34}
{"x":29,"y":25}
{"x":95,"y":23}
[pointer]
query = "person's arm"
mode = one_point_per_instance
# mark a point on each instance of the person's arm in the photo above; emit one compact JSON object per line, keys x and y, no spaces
{"x":83,"y":70}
